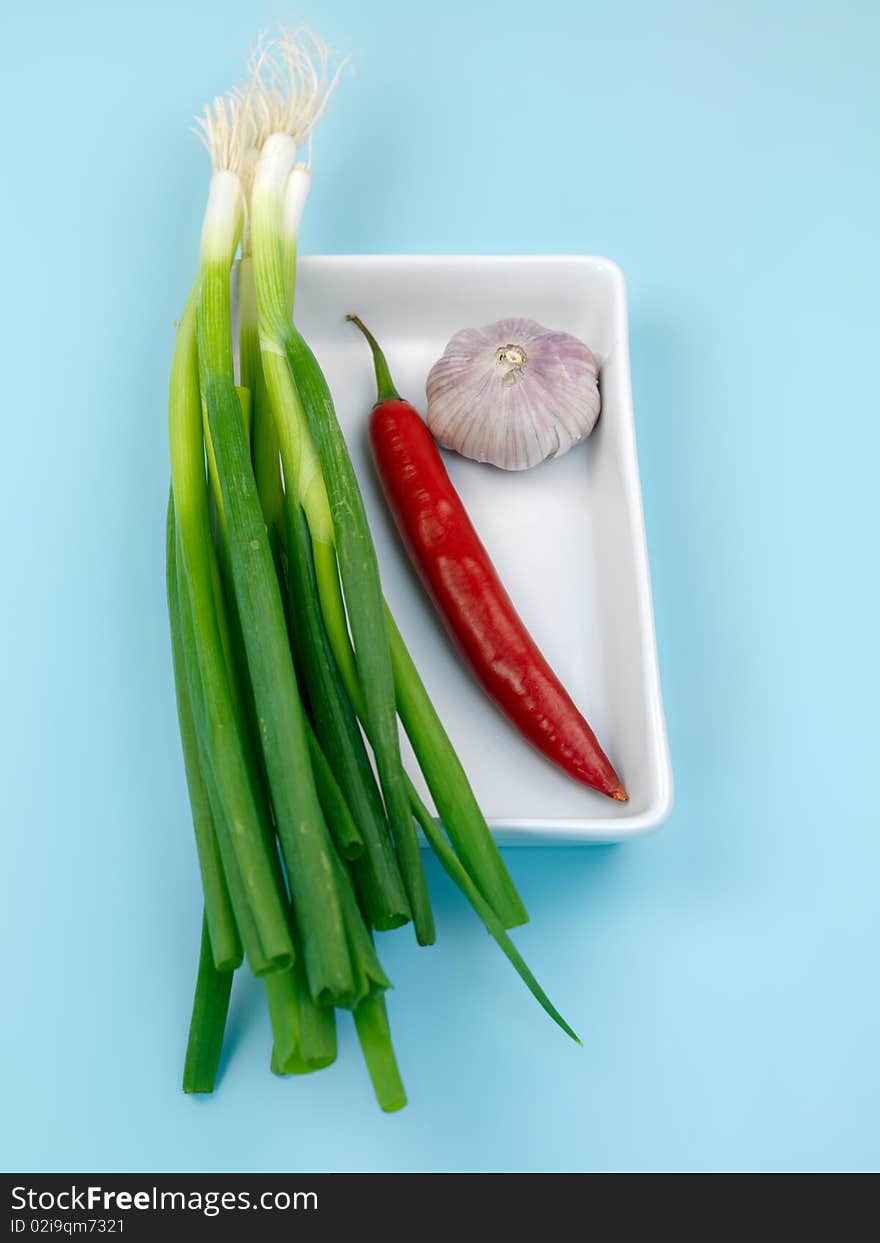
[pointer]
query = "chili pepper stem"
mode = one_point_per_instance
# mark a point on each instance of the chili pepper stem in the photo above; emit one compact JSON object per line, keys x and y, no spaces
{"x":384,"y":384}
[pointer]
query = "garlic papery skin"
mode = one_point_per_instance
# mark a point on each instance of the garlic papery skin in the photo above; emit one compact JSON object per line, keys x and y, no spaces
{"x":513,"y":394}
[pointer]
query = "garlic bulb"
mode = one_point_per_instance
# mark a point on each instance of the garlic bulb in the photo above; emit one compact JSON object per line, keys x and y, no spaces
{"x":513,"y":394}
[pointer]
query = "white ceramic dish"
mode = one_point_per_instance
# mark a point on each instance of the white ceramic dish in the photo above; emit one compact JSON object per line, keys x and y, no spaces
{"x":567,"y":537}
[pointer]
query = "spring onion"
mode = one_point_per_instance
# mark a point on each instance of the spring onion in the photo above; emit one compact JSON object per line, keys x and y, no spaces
{"x":267,"y":471}
{"x":219,"y":918}
{"x":364,"y":606}
{"x":325,"y":486}
{"x":343,"y":829}
{"x":450,"y":788}
{"x":287,"y":668}
{"x":197,"y":570}
{"x":377,"y":874}
{"x":303,"y":1034}
{"x":303,"y":835}
{"x":208,"y":1023}
{"x":374,"y":1034}
{"x":260,"y":960}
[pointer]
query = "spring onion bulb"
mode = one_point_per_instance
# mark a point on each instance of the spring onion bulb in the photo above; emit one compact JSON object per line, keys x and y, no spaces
{"x":296,"y":191}
{"x":302,"y":472}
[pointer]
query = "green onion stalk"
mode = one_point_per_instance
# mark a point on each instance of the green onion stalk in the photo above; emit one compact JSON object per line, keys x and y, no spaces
{"x":261,"y":963}
{"x":366,"y":973}
{"x":208,"y":1021}
{"x":303,"y":835}
{"x":264,"y":440}
{"x":233,"y":643}
{"x":303,"y":1033}
{"x":219,"y":917}
{"x":225,"y":763}
{"x":336,"y":523}
{"x":374,"y":1034}
{"x":376,"y":872}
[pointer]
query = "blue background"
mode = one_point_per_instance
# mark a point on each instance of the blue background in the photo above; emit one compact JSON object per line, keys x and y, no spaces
{"x":724,"y":971}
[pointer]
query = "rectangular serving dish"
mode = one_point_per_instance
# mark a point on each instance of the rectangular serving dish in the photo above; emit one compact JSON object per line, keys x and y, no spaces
{"x":567,"y":537}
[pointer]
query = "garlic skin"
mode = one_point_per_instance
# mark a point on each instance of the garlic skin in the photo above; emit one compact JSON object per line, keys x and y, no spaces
{"x":513,"y":394}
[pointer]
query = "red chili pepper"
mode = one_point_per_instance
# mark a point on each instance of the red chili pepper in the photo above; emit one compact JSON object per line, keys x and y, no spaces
{"x":468,"y":593}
